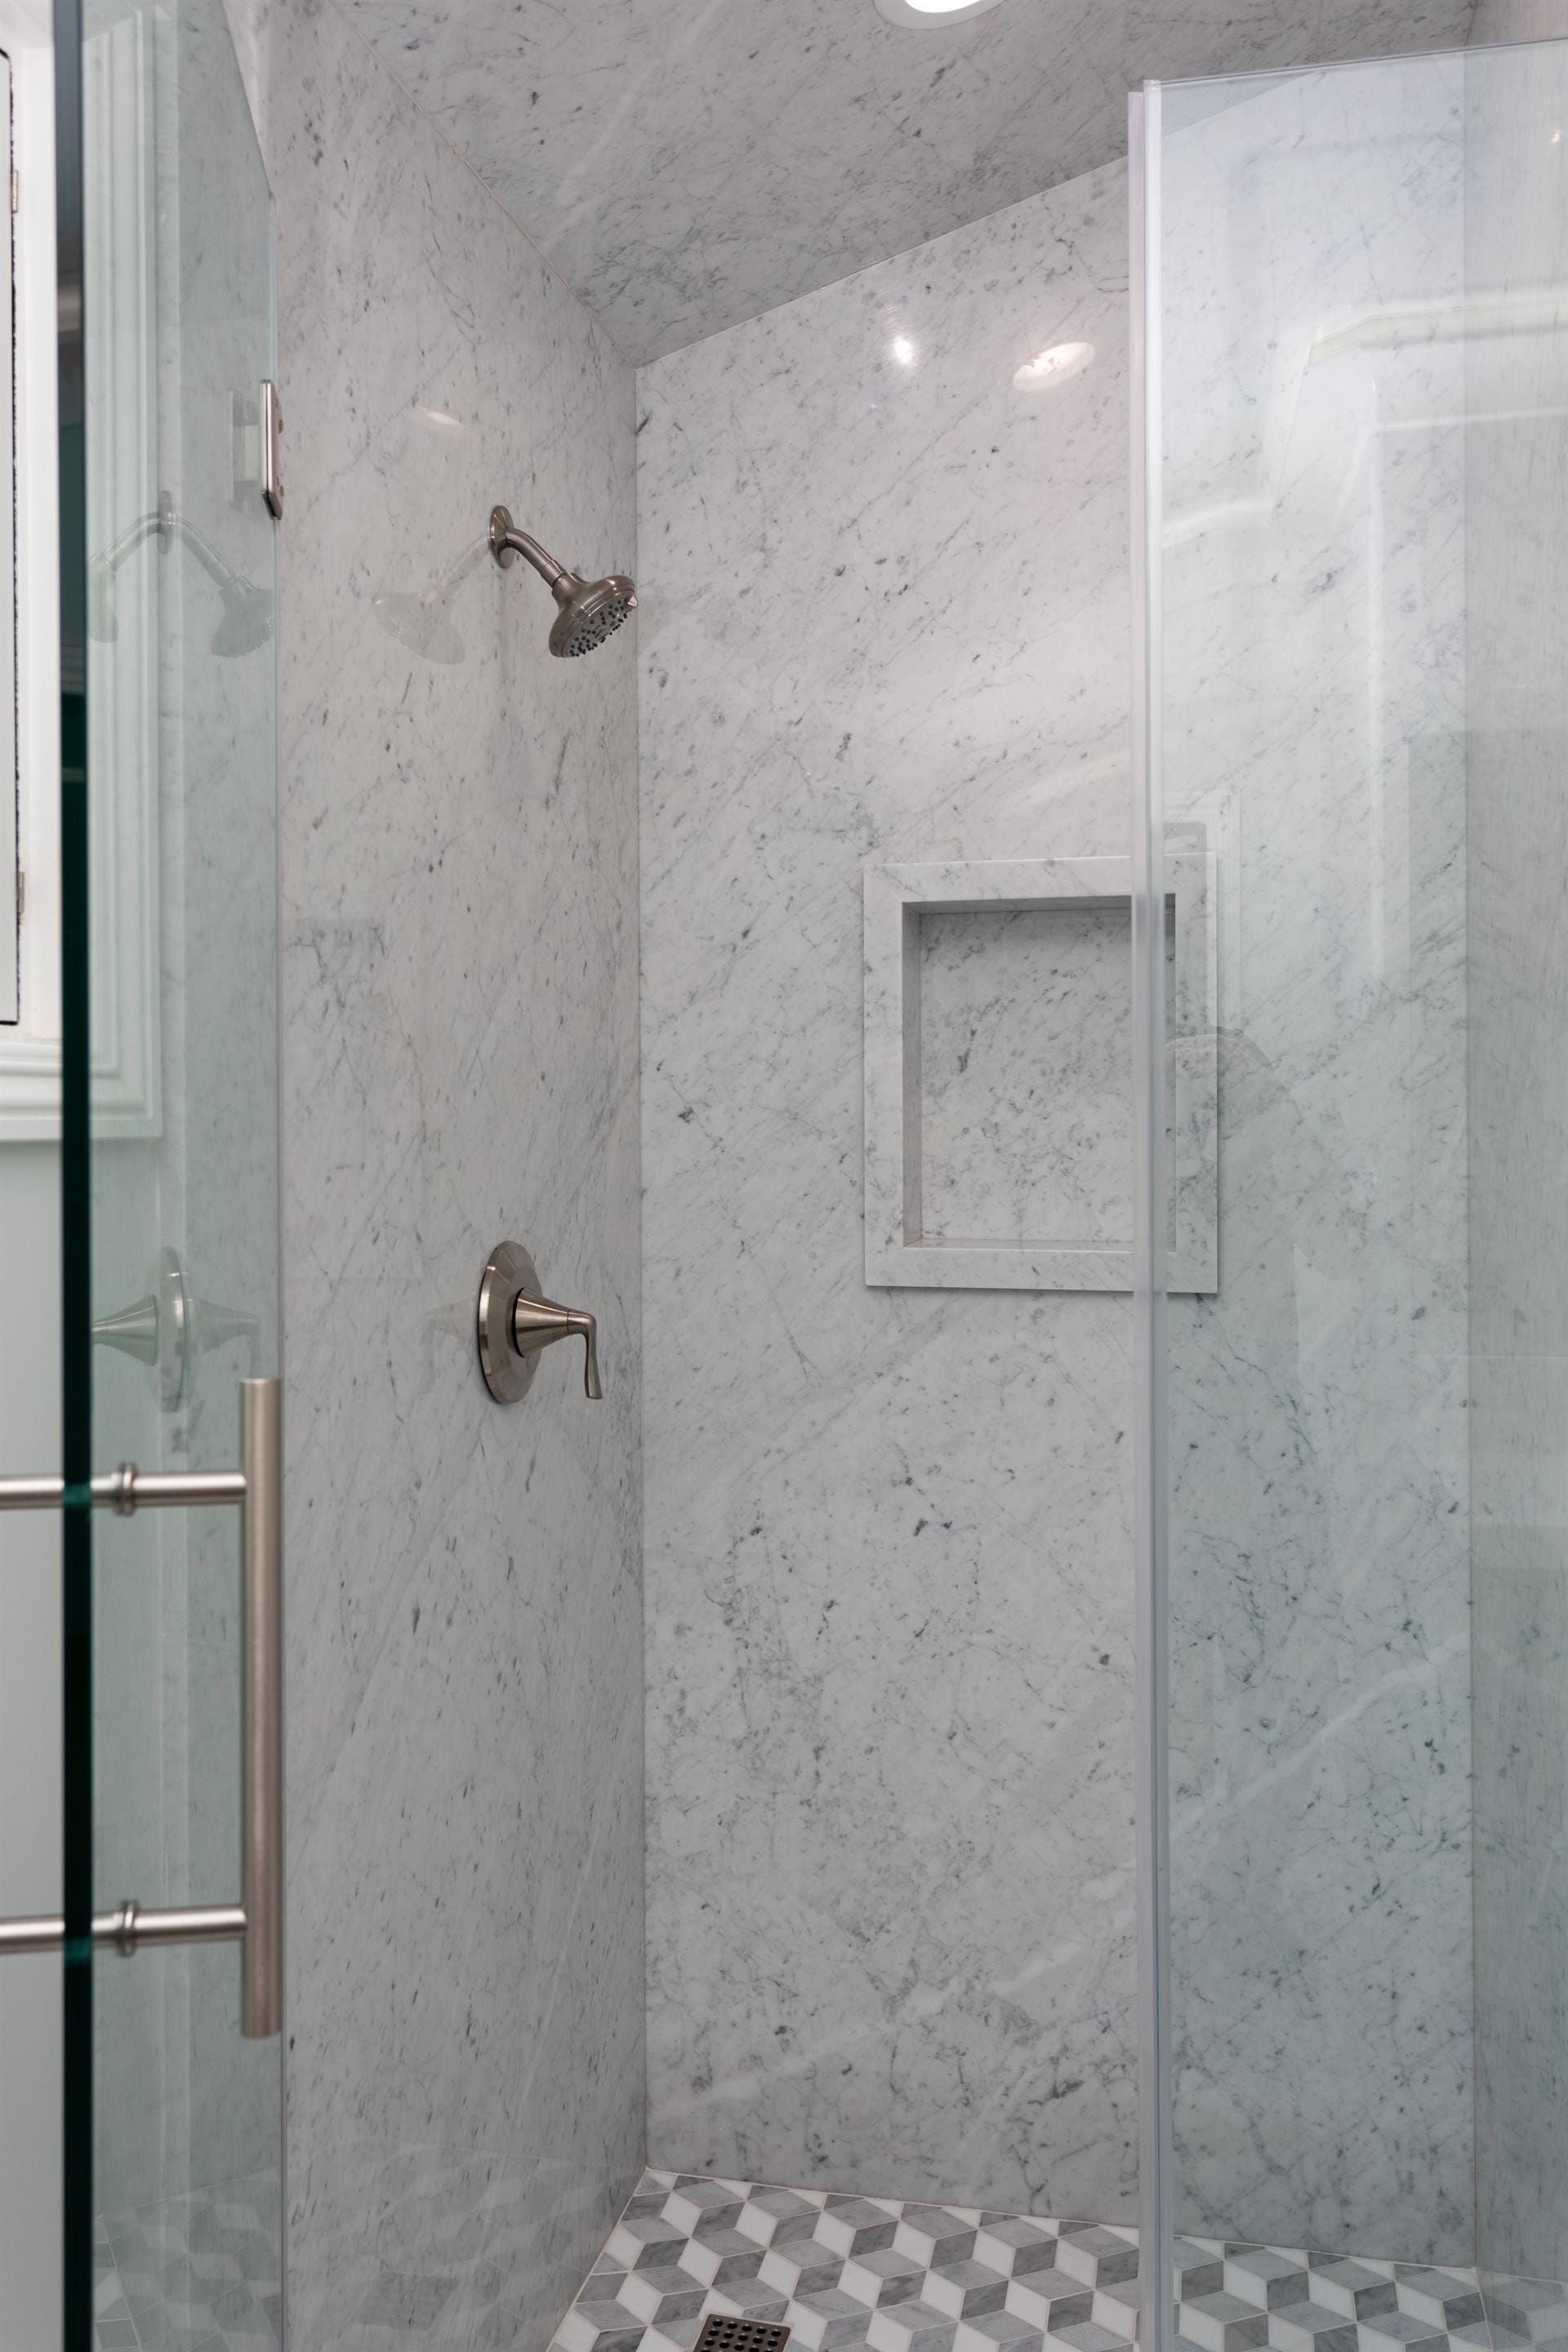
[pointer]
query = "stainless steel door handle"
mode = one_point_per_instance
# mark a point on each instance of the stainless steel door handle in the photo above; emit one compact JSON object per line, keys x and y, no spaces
{"x":261,"y":1708}
{"x":256,"y":1921}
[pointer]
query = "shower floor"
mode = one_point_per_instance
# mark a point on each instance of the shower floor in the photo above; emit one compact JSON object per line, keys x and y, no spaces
{"x":196,"y":2273}
{"x":842,"y":2272}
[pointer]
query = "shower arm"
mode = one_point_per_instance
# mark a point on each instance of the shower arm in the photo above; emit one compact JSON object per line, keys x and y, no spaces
{"x":507,"y":541}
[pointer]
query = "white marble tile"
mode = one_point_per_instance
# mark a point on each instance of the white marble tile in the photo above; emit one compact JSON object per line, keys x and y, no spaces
{"x":889,"y":1568}
{"x":459,"y":867}
{"x":687,"y":168}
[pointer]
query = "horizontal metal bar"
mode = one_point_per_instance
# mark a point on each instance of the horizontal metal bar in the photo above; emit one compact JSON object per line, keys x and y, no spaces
{"x":132,"y":1489}
{"x":256,"y":1922}
{"x":32,"y":1934}
{"x":206,"y":1923}
{"x":128,"y":1489}
{"x":31,"y":1494}
{"x":128,"y":1928}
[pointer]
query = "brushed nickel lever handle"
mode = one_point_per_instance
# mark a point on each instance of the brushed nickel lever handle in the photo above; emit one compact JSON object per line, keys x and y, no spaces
{"x":535,"y":1322}
{"x":517,"y":1323}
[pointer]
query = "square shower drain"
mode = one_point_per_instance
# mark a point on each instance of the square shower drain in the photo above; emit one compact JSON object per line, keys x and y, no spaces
{"x":721,"y":2333}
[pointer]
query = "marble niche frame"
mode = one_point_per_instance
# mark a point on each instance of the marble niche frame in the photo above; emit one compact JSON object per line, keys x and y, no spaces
{"x":896,"y":900}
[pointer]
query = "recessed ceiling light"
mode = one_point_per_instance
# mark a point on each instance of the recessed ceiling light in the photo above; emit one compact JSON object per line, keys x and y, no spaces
{"x":930,"y":14}
{"x":1054,"y":366}
{"x":903,"y":350}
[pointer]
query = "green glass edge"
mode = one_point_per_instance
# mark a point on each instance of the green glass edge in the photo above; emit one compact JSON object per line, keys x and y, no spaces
{"x":76,"y":1208}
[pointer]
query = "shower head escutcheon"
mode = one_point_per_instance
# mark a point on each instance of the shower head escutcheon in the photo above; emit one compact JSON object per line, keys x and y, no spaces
{"x":591,"y":610}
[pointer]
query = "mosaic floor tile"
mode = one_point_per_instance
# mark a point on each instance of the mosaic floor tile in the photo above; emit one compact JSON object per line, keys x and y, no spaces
{"x":196,"y":2273}
{"x":848,"y":2272}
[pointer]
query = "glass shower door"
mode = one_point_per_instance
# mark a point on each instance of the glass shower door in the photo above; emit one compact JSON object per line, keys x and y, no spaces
{"x":1354,"y":303}
{"x":169,"y":1188}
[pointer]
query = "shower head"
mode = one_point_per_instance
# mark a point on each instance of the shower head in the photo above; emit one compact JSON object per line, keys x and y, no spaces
{"x":591,"y":610}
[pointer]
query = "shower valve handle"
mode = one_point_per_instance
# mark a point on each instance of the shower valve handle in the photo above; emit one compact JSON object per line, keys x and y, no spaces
{"x":536,"y":1322}
{"x":517,"y":1323}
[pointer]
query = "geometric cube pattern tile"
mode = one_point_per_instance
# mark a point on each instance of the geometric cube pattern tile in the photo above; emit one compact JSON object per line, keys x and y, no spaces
{"x":196,"y":2273}
{"x":842,"y":2272}
{"x":199,"y":2273}
{"x":1234,"y":2298}
{"x":1525,"y":2312}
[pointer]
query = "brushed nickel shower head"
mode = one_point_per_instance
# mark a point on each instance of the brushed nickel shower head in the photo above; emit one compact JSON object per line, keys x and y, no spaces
{"x":591,"y":610}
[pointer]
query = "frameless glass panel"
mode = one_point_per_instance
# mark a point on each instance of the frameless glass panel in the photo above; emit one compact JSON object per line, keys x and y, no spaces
{"x":179,"y":884}
{"x":1356,"y":324}
{"x":30,"y":1265}
{"x":1516,"y":556}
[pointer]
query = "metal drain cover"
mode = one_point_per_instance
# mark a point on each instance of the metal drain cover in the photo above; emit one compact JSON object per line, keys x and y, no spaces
{"x":722,"y":2334}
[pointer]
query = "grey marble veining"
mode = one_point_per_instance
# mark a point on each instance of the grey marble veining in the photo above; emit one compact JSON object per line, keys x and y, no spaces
{"x":1314,"y":651}
{"x":690,"y":167}
{"x":887,"y":1559}
{"x":459,"y":957}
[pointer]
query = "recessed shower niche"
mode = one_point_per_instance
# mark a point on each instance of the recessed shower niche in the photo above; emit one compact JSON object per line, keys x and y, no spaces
{"x":998,"y":1059}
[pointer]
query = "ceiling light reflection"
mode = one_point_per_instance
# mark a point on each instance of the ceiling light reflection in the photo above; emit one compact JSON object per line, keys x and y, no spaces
{"x":1053,"y":366}
{"x":930,"y":14}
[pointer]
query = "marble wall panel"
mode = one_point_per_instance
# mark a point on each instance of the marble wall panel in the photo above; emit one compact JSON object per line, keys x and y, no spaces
{"x":1326,"y":2085}
{"x":889,"y":1577}
{"x":460,"y":1065}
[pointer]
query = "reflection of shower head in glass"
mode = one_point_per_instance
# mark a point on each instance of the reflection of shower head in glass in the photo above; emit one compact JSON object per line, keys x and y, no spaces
{"x":423,"y":624}
{"x":247,"y":618}
{"x":245,"y":621}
